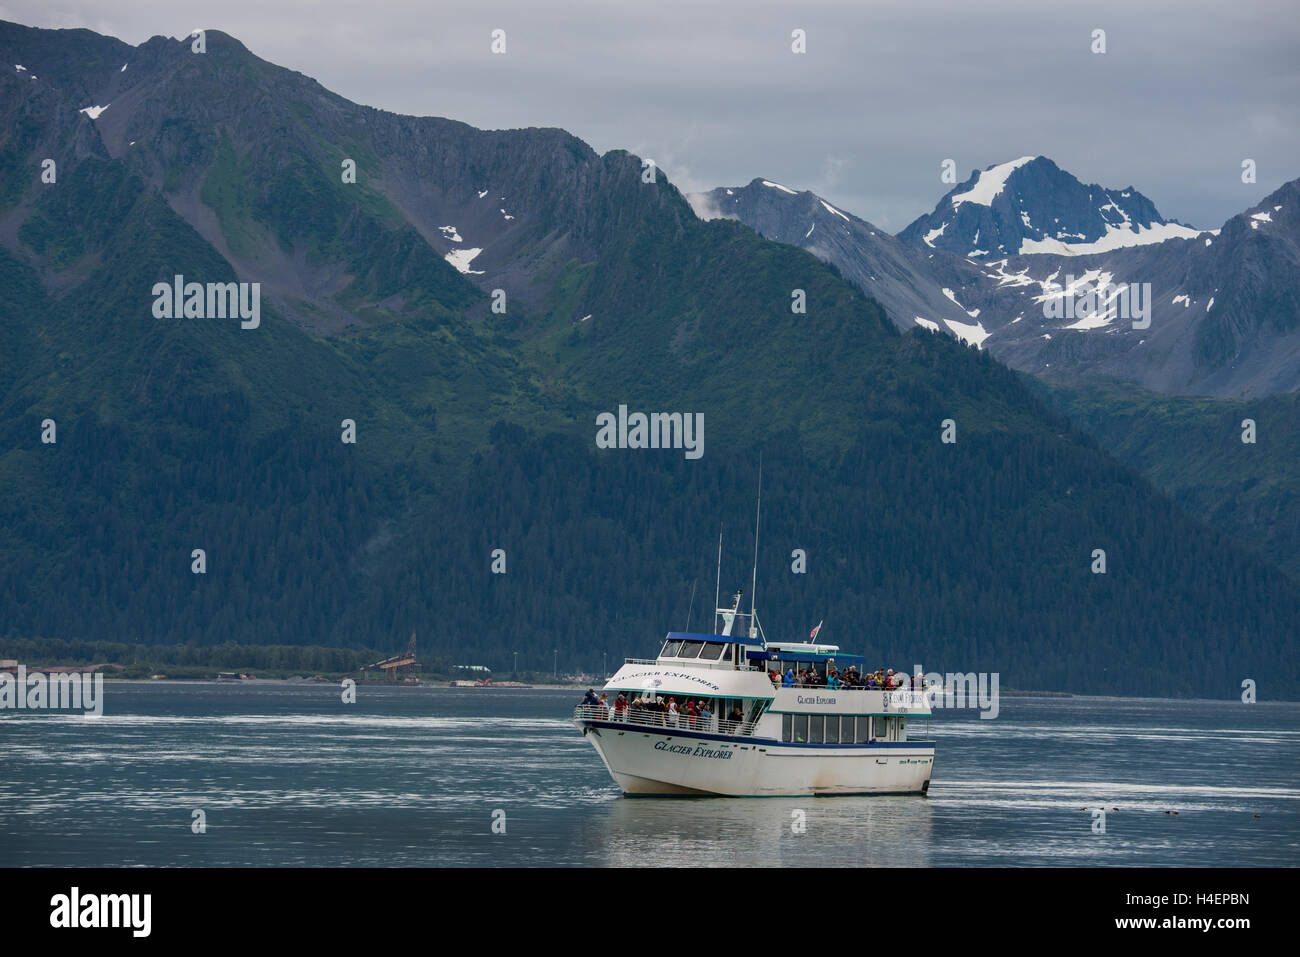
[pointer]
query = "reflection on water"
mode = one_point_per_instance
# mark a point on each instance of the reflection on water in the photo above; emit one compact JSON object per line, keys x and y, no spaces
{"x":892,"y":831}
{"x":287,"y":774}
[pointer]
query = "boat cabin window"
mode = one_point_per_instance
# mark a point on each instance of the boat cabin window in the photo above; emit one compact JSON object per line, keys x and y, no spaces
{"x":801,"y":727}
{"x":815,"y":725}
{"x":712,"y":651}
{"x":833,"y":728}
{"x":670,"y":649}
{"x":690,"y":649}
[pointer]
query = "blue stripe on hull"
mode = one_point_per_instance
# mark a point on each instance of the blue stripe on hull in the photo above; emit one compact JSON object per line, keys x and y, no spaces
{"x":742,"y":739}
{"x":714,"y":795}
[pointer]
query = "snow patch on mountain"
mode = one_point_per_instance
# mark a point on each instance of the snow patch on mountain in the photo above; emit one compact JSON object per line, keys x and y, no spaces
{"x":1095,"y":320}
{"x":1116,"y":237}
{"x":461,"y":258}
{"x":970,"y":312}
{"x":991,"y":182}
{"x":1005,"y":278}
{"x":1077,"y":287}
{"x":832,"y":209}
{"x":967,"y":333}
{"x":934,"y":234}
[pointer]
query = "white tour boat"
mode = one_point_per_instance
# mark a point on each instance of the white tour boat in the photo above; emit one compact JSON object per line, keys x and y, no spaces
{"x":776,"y":720}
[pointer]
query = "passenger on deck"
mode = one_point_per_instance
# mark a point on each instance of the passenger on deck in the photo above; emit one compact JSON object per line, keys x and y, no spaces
{"x":736,"y":717}
{"x":706,"y":717}
{"x":590,"y":698}
{"x":620,"y":707}
{"x":672,"y":712}
{"x":788,"y":680}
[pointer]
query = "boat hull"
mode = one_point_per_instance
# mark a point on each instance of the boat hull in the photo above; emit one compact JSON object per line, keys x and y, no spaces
{"x":647,"y":761}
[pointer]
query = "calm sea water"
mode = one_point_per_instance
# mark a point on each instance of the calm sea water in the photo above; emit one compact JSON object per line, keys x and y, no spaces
{"x":288,"y":775}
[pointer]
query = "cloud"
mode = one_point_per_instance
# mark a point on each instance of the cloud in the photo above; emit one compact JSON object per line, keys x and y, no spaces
{"x":706,"y":207}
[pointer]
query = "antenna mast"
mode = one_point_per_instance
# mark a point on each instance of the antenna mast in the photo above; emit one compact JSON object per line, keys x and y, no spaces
{"x":717,"y":588}
{"x":753,"y":630}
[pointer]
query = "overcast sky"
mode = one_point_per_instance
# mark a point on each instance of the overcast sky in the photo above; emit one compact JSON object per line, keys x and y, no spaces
{"x":886,"y":91}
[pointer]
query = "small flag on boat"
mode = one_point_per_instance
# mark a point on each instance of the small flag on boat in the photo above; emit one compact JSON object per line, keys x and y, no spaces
{"x":813,"y":634}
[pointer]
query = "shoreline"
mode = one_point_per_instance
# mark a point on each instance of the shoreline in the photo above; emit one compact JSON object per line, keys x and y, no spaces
{"x":447,"y":685}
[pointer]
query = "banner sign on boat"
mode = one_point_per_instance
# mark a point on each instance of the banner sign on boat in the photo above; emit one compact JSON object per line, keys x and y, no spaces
{"x":668,"y":674}
{"x":694,"y":751}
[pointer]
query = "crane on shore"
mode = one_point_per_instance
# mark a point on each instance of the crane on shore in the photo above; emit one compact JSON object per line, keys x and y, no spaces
{"x":391,"y":666}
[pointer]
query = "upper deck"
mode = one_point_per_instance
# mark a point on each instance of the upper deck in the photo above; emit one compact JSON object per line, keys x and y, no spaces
{"x":785,"y":677}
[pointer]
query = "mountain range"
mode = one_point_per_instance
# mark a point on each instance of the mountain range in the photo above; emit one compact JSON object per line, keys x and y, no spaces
{"x":471,"y":302}
{"x":1008,"y":258}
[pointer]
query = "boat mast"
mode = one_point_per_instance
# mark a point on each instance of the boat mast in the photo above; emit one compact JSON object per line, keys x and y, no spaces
{"x":717,"y":588}
{"x":753,"y":630}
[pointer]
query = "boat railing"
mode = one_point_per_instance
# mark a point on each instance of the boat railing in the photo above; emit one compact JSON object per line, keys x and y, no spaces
{"x":713,"y":664}
{"x":660,"y":719}
{"x":870,"y":686}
